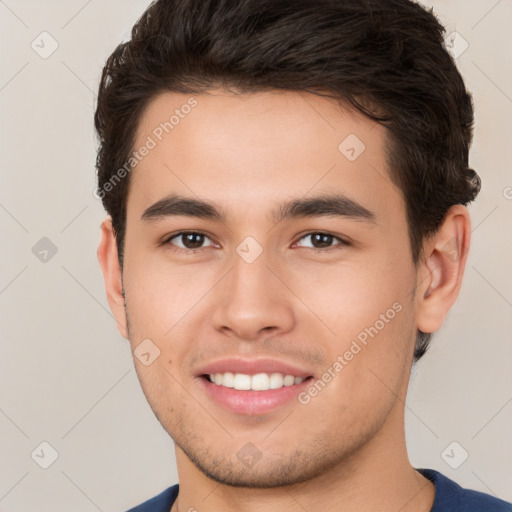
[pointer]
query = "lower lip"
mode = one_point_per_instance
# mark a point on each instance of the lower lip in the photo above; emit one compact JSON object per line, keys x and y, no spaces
{"x":252,"y":402}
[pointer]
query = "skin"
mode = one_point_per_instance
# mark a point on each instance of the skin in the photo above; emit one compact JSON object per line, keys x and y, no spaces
{"x":247,"y":154}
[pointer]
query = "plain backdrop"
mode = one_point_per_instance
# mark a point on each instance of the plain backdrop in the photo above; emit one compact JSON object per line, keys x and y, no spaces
{"x":67,"y":376}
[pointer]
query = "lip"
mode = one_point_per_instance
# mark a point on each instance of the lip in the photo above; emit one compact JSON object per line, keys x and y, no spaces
{"x":252,"y":402}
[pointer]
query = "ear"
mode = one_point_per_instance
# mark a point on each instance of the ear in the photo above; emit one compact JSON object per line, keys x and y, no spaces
{"x":109,"y":263}
{"x":441,"y":269}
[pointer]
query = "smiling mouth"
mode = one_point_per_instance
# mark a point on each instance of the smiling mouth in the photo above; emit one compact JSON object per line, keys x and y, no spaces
{"x":256,"y":382}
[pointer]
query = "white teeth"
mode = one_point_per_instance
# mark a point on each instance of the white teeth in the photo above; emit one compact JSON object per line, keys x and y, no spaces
{"x":289,"y":380}
{"x":258,"y":382}
{"x":242,"y":382}
{"x":228,"y":380}
{"x":276,"y":380}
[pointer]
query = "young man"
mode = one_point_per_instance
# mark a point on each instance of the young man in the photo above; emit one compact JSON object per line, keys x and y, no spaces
{"x":286,"y":183}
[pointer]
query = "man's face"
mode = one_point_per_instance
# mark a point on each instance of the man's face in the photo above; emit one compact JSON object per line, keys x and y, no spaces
{"x":264,"y":295}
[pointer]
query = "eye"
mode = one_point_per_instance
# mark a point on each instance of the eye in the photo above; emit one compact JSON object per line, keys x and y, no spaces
{"x":188,"y":241}
{"x":193,"y":241}
{"x":323,"y":241}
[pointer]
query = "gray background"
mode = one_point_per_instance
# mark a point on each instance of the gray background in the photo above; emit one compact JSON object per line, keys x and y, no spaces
{"x":67,"y":376}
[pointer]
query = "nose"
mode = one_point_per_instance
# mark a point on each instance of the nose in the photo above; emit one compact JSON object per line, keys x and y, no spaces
{"x":252,"y":302}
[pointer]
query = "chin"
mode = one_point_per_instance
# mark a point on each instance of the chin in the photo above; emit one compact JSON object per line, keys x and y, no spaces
{"x":265,"y":473}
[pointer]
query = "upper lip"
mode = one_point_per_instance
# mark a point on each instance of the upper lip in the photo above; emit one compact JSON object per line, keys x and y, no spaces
{"x":252,"y":367}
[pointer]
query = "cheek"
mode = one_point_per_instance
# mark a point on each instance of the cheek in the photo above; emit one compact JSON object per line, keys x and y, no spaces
{"x":159,"y":295}
{"x":368,"y":306}
{"x":376,"y":346}
{"x":370,"y":359}
{"x":353,"y":295}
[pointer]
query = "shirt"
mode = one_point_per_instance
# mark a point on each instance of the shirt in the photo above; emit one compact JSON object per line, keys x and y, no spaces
{"x":449,"y":497}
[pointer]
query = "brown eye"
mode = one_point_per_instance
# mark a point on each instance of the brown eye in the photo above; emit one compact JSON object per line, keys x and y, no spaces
{"x":192,"y":240}
{"x":321,"y":240}
{"x":188,"y":240}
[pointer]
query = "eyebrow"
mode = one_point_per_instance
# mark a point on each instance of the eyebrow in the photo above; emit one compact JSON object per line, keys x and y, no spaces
{"x":333,"y":205}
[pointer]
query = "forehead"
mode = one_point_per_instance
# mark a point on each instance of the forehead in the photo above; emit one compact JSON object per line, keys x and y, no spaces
{"x":253,"y":149}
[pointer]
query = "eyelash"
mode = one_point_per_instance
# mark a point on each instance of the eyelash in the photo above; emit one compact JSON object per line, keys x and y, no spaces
{"x":341,"y":242}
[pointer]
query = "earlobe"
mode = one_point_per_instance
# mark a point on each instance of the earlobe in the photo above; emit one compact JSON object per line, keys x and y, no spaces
{"x":109,"y":263}
{"x":442,"y":268}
